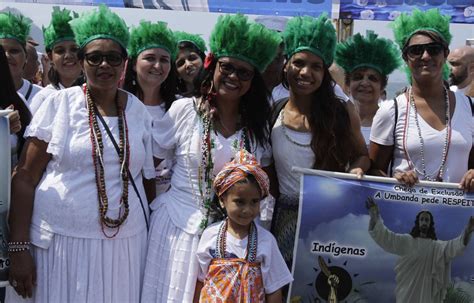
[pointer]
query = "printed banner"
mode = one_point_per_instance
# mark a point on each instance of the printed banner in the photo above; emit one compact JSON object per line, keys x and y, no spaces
{"x":461,"y":11}
{"x":256,"y":7}
{"x":5,"y":175}
{"x":345,"y":254}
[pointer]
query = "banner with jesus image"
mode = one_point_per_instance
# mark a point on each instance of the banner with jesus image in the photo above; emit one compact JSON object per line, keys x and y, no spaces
{"x":376,"y":240}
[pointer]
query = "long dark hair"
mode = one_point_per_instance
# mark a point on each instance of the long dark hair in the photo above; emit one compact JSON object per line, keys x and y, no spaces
{"x":415,"y":232}
{"x":186,"y":45}
{"x":8,"y":96}
{"x":168,"y":89}
{"x":254,"y":107}
{"x":332,"y":140}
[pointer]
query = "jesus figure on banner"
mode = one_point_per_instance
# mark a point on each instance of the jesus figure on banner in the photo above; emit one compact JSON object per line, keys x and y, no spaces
{"x":423,"y":271}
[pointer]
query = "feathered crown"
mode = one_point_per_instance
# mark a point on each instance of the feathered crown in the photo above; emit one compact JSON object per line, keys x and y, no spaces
{"x":192,"y":38}
{"x":316,"y":35}
{"x":59,"y":28}
{"x":100,"y":24}
{"x":378,"y":53}
{"x":406,"y":25}
{"x":152,"y":35}
{"x":14,"y":27}
{"x":235,"y":36}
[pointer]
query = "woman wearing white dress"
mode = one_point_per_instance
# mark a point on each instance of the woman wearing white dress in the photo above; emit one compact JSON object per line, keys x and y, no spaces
{"x":85,"y":238}
{"x":313,"y":128}
{"x":202,"y":134}
{"x":427,"y":133}
{"x":150,"y":77}
{"x":61,"y":49}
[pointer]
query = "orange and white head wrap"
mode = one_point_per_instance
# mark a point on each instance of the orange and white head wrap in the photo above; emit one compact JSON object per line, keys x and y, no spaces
{"x":244,"y":164}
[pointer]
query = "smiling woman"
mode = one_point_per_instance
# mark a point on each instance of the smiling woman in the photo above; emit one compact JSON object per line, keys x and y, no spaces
{"x":367,"y":62}
{"x":150,"y":77}
{"x":202,"y":134}
{"x":61,"y":48}
{"x":313,"y":128}
{"x":87,"y":218}
{"x":427,"y":132}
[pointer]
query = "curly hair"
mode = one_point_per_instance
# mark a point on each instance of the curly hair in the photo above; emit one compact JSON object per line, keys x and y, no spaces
{"x":167,"y":90}
{"x":333,"y":141}
{"x":253,"y":106}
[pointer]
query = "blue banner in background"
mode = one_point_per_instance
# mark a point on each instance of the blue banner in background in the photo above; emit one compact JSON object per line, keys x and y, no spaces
{"x":256,"y":7}
{"x":272,"y":7}
{"x":461,"y":11}
{"x":335,"y":252}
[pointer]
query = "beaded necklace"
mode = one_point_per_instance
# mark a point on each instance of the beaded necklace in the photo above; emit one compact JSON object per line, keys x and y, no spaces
{"x":440,"y":171}
{"x":251,"y":243}
{"x":283,"y":127}
{"x":205,"y":170}
{"x":98,"y":160}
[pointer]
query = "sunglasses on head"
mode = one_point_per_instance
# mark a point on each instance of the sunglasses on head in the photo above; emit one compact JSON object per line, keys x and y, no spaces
{"x":242,"y":73}
{"x":417,"y":50}
{"x":96,"y":58}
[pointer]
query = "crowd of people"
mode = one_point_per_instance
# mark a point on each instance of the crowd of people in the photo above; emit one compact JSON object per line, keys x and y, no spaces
{"x":139,"y":169}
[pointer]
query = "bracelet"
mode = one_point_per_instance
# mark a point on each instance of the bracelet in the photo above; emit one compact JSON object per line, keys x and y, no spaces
{"x":18,"y":246}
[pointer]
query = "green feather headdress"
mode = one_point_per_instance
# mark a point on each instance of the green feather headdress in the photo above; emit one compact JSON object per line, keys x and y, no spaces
{"x":235,"y":36}
{"x":378,"y":53}
{"x":316,"y":35}
{"x":100,"y":24}
{"x":405,"y":26}
{"x":14,"y":27}
{"x":59,"y":28}
{"x":152,"y":35}
{"x":192,"y":38}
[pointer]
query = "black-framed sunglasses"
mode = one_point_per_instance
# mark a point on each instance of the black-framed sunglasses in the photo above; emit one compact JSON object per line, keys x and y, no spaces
{"x":228,"y":69}
{"x":417,"y":50}
{"x":96,"y":58}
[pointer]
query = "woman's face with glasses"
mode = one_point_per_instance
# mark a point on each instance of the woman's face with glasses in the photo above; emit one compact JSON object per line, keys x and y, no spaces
{"x":425,"y":57}
{"x":103,"y":63}
{"x":232,"y":77}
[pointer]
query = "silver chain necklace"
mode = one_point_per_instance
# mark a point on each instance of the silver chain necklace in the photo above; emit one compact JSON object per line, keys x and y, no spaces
{"x":283,"y":127}
{"x":440,"y":171}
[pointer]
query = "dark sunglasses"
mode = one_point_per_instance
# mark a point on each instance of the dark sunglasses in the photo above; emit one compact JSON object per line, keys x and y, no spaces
{"x":96,"y":59}
{"x":228,"y":69}
{"x":417,"y":50}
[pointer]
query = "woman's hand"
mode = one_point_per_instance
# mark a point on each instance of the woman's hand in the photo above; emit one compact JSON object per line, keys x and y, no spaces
{"x":22,"y":273}
{"x":409,"y":178}
{"x":359,"y":172}
{"x":467,"y":181}
{"x":14,"y":118}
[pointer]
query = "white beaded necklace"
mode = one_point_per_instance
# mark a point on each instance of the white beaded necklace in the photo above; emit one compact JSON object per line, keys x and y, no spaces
{"x":438,"y":174}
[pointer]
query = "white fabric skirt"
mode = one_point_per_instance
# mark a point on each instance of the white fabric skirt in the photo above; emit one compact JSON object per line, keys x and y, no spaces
{"x":88,"y":270}
{"x":171,"y":265}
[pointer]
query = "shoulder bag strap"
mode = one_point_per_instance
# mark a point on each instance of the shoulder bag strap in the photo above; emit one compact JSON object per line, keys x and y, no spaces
{"x":109,"y":133}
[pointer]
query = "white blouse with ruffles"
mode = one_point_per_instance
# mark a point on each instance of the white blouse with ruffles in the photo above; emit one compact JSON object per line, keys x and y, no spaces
{"x":66,"y":200}
{"x":178,"y":136}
